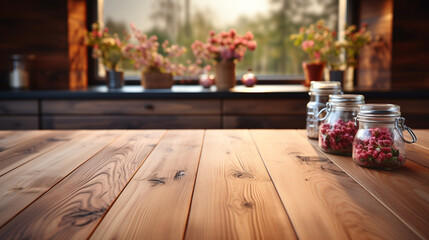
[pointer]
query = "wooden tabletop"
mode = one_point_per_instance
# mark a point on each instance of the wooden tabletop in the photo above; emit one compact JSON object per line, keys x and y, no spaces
{"x":203,"y":184}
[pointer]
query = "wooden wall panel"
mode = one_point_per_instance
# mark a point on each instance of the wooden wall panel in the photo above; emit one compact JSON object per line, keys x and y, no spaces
{"x":374,"y":68}
{"x":38,"y":28}
{"x":45,"y":29}
{"x":78,"y":62}
{"x":410,"y":63}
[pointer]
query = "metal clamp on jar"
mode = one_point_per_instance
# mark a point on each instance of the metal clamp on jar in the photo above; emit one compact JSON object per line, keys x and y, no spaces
{"x":379,"y":142}
{"x":338,"y":129}
{"x":319,"y":95}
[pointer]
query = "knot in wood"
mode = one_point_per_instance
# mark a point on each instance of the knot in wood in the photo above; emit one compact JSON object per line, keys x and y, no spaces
{"x":239,"y":174}
{"x":179,"y":174}
{"x":312,"y":158}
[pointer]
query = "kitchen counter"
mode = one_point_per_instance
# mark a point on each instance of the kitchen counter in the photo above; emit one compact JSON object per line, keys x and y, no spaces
{"x":183,"y":106}
{"x":203,"y":184}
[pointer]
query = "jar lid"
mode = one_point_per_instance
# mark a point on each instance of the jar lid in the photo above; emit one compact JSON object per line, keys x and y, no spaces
{"x":378,"y":112}
{"x":347,"y":99}
{"x":324,"y":87}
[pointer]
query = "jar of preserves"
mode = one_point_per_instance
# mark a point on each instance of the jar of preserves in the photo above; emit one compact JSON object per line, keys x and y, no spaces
{"x":319,"y":95}
{"x":338,"y":128}
{"x":379,"y":142}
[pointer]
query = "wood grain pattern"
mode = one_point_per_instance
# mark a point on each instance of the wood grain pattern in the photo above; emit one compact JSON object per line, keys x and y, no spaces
{"x":27,"y":150}
{"x":10,"y":139}
{"x":319,"y":196}
{"x":264,"y":106}
{"x":418,"y":154}
{"x":130,"y":122}
{"x":26,"y":183}
{"x":422,"y":138}
{"x":156,"y":202}
{"x":390,"y":187}
{"x":234,"y":197}
{"x":136,"y":107}
{"x":73,"y":207}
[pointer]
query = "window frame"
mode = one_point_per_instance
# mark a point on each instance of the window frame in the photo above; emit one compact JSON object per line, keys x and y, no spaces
{"x":347,"y":10}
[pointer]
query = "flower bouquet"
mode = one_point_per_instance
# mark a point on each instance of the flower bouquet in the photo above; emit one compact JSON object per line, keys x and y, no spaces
{"x":110,"y":50}
{"x":225,"y":49}
{"x":157,"y":69}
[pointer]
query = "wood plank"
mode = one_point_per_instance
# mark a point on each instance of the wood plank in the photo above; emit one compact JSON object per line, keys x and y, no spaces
{"x":234,"y":197}
{"x":156,"y":202}
{"x":422,"y":137}
{"x":319,"y":196}
{"x":135,"y":107}
{"x":131,"y":122}
{"x":10,"y":139}
{"x":28,"y":150}
{"x":403,"y":191}
{"x":30,"y":181}
{"x":73,"y":208}
{"x":418,"y":154}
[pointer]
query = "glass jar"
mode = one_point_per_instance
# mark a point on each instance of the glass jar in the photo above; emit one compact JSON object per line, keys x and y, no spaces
{"x":379,"y":142}
{"x":338,"y":128}
{"x":319,"y":95}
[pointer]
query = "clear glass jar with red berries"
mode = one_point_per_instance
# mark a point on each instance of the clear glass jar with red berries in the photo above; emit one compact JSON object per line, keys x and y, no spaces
{"x":379,"y":142}
{"x":338,"y":128}
{"x":319,"y":96}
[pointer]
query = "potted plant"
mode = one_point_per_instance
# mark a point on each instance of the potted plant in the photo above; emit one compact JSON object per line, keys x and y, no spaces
{"x":312,"y":40}
{"x":157,"y":69}
{"x":355,"y":40}
{"x":111,"y":51}
{"x":224,"y":49}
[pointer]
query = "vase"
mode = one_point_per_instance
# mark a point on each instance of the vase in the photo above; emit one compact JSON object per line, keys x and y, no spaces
{"x":156,"y":80}
{"x":349,"y":77}
{"x":114,"y":79}
{"x":225,"y":75}
{"x":336,"y":76}
{"x":313,"y":72}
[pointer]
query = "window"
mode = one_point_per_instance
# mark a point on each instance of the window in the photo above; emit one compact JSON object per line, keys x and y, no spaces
{"x":183,"y":21}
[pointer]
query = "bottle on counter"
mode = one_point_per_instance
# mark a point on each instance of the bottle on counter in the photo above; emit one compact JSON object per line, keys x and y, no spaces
{"x":338,"y":128}
{"x":19,"y":76}
{"x":319,"y":95}
{"x":379,"y":142}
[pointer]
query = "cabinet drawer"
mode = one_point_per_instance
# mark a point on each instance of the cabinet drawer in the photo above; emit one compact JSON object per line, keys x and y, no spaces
{"x":265,"y":122}
{"x":265,"y":106}
{"x":12,"y":122}
{"x":132,"y":107}
{"x":130,"y":122}
{"x":18,"y":107}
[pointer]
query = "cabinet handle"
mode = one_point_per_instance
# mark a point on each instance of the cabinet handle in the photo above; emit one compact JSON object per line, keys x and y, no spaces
{"x":149,"y":106}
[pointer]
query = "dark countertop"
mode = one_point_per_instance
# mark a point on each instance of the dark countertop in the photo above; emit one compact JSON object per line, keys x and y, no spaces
{"x":198,"y":92}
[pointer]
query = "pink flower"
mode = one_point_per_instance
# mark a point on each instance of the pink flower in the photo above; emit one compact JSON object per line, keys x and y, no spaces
{"x":232,"y":33}
{"x":251,"y":45}
{"x":248,"y":36}
{"x":317,"y":55}
{"x":307,"y":44}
